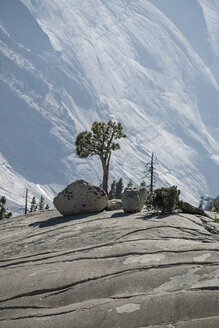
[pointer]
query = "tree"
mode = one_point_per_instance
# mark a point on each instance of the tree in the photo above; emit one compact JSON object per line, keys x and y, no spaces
{"x":3,"y":212}
{"x":201,"y":202}
{"x":150,"y":172}
{"x":210,"y":203}
{"x":26,"y":197}
{"x":41,"y":204}
{"x":119,"y":189}
{"x":47,"y":207}
{"x":33,"y":206}
{"x":112,"y":192}
{"x":100,"y":141}
{"x":130,"y":183}
{"x":215,"y":207}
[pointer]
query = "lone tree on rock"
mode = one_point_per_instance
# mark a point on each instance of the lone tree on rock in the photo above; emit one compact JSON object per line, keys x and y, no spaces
{"x":100,"y":141}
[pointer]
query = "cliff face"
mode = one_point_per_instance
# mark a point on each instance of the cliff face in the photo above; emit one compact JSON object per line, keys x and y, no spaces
{"x":108,"y":270}
{"x":149,"y":64}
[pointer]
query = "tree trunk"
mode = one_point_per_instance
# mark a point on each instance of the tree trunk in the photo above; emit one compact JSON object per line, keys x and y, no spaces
{"x":25,"y":208}
{"x":152,"y":174}
{"x":105,"y":175}
{"x":105,"y":181}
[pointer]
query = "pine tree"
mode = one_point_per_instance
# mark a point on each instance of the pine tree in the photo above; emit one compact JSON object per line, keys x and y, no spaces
{"x":41,"y":204}
{"x":33,"y":206}
{"x":202,"y":198}
{"x":216,"y":206}
{"x":47,"y":207}
{"x":3,"y":212}
{"x":130,"y":183}
{"x":112,"y":192}
{"x":100,"y":141}
{"x":119,"y":188}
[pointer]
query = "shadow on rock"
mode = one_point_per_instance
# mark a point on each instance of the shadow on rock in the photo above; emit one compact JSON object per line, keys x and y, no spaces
{"x":121,"y":215}
{"x":154,"y":216}
{"x":59,"y":220}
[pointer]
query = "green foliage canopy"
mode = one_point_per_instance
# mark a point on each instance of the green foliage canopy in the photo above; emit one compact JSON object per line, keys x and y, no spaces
{"x":100,"y":141}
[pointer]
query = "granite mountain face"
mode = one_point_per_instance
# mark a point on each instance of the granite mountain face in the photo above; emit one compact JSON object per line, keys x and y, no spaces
{"x":152,"y":65}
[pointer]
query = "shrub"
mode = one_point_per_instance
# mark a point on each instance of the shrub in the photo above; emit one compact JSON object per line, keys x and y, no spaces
{"x":215,"y":207}
{"x":3,"y":212}
{"x":166,"y":200}
{"x":149,"y":202}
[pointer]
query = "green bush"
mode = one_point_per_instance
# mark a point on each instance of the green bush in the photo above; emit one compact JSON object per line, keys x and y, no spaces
{"x":166,"y":200}
{"x":149,"y":202}
{"x":3,"y":212}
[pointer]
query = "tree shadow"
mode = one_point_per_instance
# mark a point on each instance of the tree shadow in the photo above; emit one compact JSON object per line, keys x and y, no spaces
{"x":155,"y":215}
{"x":121,"y":215}
{"x":59,"y":220}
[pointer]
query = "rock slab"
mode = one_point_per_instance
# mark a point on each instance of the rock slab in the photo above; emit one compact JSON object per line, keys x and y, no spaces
{"x":188,"y":208}
{"x":108,"y":270}
{"x":81,"y":197}
{"x":133,"y":199}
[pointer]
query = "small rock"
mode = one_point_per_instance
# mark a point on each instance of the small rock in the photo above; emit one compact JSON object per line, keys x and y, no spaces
{"x":114,"y":204}
{"x":133,"y":199}
{"x":81,"y":197}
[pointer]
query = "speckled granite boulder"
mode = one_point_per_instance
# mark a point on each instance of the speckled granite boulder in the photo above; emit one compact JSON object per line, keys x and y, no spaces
{"x":81,"y":197}
{"x":133,"y":199}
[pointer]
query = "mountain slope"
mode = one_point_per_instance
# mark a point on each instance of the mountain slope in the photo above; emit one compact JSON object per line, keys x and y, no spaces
{"x":66,"y":64}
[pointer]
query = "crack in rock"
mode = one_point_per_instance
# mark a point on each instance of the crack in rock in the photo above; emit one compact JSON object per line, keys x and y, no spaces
{"x":110,"y":275}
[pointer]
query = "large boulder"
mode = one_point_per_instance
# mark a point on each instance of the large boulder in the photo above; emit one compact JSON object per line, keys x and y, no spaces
{"x":81,"y":197}
{"x":114,"y":204}
{"x":133,"y":199}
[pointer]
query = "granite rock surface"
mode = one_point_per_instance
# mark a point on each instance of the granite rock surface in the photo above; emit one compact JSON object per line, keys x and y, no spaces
{"x":133,"y":199}
{"x":108,"y":270}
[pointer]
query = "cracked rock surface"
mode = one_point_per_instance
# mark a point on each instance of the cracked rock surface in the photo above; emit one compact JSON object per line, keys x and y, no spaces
{"x":108,"y":270}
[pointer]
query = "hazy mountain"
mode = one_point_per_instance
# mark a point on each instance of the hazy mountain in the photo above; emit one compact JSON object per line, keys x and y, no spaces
{"x":152,"y":65}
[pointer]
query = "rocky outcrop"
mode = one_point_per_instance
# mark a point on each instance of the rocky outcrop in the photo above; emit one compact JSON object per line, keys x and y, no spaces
{"x":188,"y":208}
{"x":80,"y":197}
{"x":108,"y":270}
{"x":114,"y":204}
{"x":133,"y":199}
